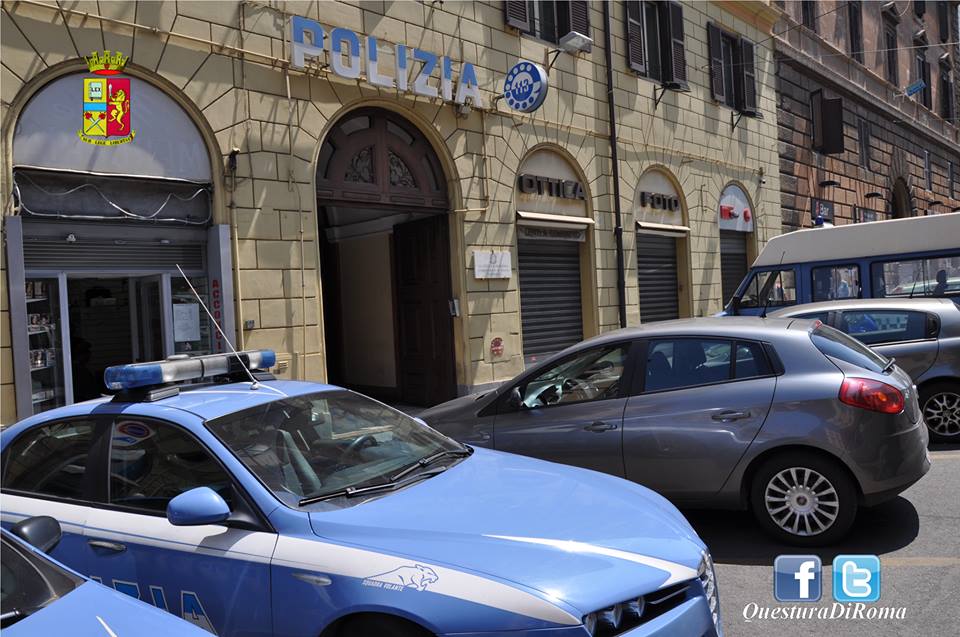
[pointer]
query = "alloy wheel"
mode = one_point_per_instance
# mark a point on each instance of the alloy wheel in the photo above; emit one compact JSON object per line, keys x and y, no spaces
{"x":801,"y":501}
{"x":941,"y":412}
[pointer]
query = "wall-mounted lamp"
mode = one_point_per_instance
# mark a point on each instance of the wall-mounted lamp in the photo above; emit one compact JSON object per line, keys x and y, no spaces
{"x":873,"y":195}
{"x":575,"y":42}
{"x":828,"y":182}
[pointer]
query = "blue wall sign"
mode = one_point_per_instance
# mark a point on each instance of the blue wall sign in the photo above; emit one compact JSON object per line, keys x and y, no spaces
{"x":525,"y":87}
{"x":349,"y":53}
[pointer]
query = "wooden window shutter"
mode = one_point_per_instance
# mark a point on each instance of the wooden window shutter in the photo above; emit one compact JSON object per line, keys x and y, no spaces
{"x":748,"y":77}
{"x":516,"y":14}
{"x":579,"y":17}
{"x":636,"y":43}
{"x":673,"y":54}
{"x":715,"y":54}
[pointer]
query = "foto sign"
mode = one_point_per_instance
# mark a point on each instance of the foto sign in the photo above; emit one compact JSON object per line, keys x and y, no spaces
{"x":350,"y":53}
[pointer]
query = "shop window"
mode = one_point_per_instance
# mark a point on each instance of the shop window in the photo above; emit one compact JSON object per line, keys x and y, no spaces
{"x":733,"y":78}
{"x":939,"y":276}
{"x":776,"y":288}
{"x":874,"y":327}
{"x":836,"y":282}
{"x":855,"y":23}
{"x":648,"y":25}
{"x":548,"y":20}
{"x":890,"y":46}
{"x":808,"y":14}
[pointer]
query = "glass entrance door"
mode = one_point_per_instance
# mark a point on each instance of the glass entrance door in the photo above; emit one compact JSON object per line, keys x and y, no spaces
{"x":49,"y":384}
{"x":148,"y":315}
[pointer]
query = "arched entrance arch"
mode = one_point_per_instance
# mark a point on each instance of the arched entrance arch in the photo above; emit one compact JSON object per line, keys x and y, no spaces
{"x":901,"y":204}
{"x":113,"y":178}
{"x":736,"y":223}
{"x":385,"y":259}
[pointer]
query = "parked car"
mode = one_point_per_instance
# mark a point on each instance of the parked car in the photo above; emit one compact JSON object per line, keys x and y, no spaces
{"x":791,"y":418}
{"x":272,"y":507}
{"x":924,"y":337}
{"x":40,"y":596}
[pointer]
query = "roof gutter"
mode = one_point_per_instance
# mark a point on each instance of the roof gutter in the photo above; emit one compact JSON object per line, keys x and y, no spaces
{"x":614,"y":156}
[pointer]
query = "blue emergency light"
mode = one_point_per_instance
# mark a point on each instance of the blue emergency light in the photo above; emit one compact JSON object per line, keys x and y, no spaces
{"x":120,"y":377}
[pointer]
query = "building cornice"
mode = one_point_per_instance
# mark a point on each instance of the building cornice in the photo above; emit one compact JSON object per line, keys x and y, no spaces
{"x":762,"y":14}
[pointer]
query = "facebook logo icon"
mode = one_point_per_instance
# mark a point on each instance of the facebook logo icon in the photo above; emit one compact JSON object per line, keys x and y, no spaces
{"x":796,"y":578}
{"x":856,"y":578}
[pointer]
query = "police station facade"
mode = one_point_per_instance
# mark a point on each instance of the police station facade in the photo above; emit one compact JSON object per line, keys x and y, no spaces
{"x":384,"y":218}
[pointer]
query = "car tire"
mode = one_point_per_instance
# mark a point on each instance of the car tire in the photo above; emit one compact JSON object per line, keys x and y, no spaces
{"x":940,"y":405}
{"x":381,"y":626}
{"x":819,"y":496}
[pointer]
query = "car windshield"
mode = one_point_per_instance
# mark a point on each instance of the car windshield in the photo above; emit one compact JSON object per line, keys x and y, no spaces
{"x":309,"y":446}
{"x":838,"y":345}
{"x":28,"y":582}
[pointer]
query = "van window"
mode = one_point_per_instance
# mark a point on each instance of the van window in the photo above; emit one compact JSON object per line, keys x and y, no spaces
{"x":836,"y":282}
{"x":775,"y":288}
{"x":938,"y":276}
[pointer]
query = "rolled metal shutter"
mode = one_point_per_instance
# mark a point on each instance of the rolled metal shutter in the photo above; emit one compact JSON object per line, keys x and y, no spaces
{"x":733,"y":261}
{"x":657,"y":277}
{"x":551,"y":310}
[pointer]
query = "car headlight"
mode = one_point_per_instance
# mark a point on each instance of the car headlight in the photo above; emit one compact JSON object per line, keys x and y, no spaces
{"x":708,"y":578}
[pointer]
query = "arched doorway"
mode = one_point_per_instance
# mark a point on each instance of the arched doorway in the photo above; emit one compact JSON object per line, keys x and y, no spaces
{"x":385,"y":260}
{"x":901,"y":206}
{"x":107,"y":213}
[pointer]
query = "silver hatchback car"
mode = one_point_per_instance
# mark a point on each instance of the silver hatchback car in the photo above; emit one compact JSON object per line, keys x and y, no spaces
{"x":791,"y":418}
{"x":923,"y":334}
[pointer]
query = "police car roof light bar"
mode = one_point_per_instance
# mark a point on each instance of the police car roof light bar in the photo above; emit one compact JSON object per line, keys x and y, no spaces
{"x":136,"y":375}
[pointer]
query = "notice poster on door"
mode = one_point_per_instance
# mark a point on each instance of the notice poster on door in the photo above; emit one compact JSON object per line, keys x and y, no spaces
{"x":186,"y":322}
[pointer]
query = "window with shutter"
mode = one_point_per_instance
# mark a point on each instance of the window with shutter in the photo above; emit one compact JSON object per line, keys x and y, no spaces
{"x":855,"y":20}
{"x":636,"y":55}
{"x":715,"y":52}
{"x":579,"y":17}
{"x":516,"y":14}
{"x":674,"y":57}
{"x":748,"y":78}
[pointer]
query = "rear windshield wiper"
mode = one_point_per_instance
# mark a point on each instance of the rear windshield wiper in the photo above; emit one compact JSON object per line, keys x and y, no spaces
{"x":889,"y":366}
{"x":13,"y":616}
{"x":353,"y":492}
{"x":427,"y":460}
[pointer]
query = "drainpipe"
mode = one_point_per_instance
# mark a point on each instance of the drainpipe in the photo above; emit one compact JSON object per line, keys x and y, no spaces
{"x":618,"y":222}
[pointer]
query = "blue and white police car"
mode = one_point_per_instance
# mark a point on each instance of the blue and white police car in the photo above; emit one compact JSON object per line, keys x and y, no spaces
{"x":253,"y":506}
{"x":39,"y":596}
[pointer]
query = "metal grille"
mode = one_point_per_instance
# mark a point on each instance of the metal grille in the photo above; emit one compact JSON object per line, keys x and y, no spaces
{"x":550,"y":303}
{"x":733,"y":261}
{"x":47,"y":254}
{"x":657,"y":277}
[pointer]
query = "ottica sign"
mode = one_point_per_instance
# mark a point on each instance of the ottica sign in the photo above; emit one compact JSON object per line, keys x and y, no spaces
{"x":350,"y":52}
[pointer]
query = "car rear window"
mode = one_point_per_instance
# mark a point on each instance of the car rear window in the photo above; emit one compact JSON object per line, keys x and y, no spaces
{"x":836,"y":344}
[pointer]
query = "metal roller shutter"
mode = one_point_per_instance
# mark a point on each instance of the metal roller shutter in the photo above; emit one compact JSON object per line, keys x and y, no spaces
{"x":550,"y":304}
{"x":733,"y":261}
{"x":657,"y":277}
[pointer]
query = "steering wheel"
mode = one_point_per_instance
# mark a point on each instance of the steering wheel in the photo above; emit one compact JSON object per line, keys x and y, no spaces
{"x":582,"y":390}
{"x":357,"y":444}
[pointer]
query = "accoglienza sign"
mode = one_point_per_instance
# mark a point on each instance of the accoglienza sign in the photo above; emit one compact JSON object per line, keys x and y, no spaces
{"x":349,"y":53}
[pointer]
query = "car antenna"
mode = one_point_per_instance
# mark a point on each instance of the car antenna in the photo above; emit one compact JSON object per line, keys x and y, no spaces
{"x":255,"y":384}
{"x":913,"y":288}
{"x":766,"y":303}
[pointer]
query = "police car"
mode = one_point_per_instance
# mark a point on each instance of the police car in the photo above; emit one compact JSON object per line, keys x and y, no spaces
{"x":253,"y":506}
{"x":39,"y":596}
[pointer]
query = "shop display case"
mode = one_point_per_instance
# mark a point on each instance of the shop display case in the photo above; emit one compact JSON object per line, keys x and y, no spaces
{"x":44,"y":325}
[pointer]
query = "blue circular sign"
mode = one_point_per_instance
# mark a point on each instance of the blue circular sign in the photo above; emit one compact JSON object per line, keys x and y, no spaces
{"x":525,"y":87}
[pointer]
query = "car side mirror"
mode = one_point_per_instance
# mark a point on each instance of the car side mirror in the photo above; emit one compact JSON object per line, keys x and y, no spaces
{"x":40,"y":531}
{"x":201,"y":505}
{"x":514,"y":399}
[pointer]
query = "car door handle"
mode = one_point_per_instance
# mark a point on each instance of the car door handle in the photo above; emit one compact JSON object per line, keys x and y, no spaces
{"x":727,"y":416}
{"x":116,"y":547}
{"x":599,"y":426}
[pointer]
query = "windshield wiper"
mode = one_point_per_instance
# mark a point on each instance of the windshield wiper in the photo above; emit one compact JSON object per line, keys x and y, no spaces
{"x":427,"y":460}
{"x":889,"y":365}
{"x":13,"y":616}
{"x":353,"y":492}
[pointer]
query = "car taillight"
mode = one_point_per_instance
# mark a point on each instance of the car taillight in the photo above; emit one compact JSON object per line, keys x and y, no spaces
{"x":867,"y":393}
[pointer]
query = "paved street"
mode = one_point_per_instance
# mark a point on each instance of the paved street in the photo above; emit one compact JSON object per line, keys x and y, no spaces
{"x":915,"y":535}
